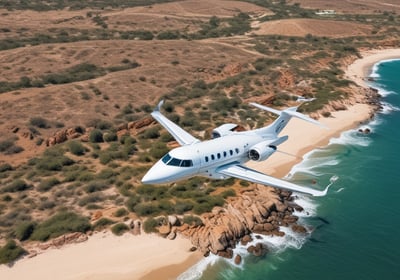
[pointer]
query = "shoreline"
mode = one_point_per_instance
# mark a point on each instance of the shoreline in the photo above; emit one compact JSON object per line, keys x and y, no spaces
{"x":147,"y":256}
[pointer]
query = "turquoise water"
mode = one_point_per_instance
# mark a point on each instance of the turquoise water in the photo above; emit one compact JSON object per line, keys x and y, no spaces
{"x":356,"y":228}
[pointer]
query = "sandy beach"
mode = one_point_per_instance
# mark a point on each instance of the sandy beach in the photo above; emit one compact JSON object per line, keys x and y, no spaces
{"x":105,"y":256}
{"x":360,"y":69}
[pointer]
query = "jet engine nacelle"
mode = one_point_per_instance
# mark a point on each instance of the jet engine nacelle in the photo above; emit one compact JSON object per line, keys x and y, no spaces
{"x":223,"y":130}
{"x":261,"y":151}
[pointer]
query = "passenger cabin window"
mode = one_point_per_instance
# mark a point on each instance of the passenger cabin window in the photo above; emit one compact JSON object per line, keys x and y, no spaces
{"x":168,"y":160}
{"x":224,"y":154}
{"x":206,"y":159}
{"x":212,"y":157}
{"x":237,"y":150}
{"x":231,"y":152}
{"x":218,"y":155}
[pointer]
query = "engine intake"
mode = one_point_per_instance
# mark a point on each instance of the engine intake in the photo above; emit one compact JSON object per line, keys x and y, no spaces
{"x":223,"y":130}
{"x":261,"y":151}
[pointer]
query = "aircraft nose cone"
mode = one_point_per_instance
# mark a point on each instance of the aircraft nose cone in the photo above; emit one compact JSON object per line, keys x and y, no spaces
{"x":157,"y":174}
{"x":149,"y":178}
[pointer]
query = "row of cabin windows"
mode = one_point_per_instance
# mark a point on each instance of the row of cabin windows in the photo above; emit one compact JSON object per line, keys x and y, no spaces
{"x":223,"y":154}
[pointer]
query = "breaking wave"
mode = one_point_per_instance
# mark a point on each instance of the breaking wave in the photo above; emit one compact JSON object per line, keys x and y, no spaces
{"x":375,"y":68}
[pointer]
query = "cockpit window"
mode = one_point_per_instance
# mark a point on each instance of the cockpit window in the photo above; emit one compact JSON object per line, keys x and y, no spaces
{"x":168,"y":160}
{"x":186,"y":163}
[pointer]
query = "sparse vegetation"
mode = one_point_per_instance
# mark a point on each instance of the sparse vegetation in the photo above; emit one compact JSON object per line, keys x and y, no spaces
{"x":61,"y":223}
{"x":10,"y":252}
{"x":119,"y":229}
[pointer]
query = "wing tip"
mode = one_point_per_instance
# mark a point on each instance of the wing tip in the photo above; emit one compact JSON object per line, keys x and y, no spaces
{"x":158,"y":107}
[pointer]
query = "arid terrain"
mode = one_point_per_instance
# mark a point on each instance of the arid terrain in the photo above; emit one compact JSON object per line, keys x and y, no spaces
{"x":352,"y":6}
{"x":77,"y":87}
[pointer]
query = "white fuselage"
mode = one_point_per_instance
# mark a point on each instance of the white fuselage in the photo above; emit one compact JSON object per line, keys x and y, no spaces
{"x":204,"y":158}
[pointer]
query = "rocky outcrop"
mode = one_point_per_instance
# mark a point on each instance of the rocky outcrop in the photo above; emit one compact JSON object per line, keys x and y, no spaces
{"x":74,"y":237}
{"x":64,"y":135}
{"x":258,"y":209}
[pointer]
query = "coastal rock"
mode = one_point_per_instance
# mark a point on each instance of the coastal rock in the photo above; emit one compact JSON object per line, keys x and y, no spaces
{"x":238,"y":259}
{"x":246,"y":239}
{"x":173,"y":220}
{"x":130,"y":223}
{"x":81,"y":238}
{"x":136,"y":227}
{"x":299,"y":229}
{"x":71,"y":237}
{"x":171,"y":235}
{"x":59,"y":241}
{"x":257,"y":209}
{"x":165,"y":229}
{"x":258,"y":250}
{"x":228,"y":253}
{"x":44,"y":246}
{"x":32,"y":254}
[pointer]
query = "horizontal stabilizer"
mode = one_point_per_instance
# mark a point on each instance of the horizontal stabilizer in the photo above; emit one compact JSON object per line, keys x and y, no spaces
{"x":289,"y":111}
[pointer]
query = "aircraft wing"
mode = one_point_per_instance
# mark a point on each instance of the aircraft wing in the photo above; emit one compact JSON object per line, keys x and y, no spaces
{"x":180,"y":135}
{"x":245,"y":173}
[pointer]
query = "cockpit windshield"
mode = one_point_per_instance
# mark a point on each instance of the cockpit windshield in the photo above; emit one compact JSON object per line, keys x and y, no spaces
{"x":168,"y":160}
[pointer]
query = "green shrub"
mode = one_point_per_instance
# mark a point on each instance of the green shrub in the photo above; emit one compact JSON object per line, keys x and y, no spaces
{"x":54,"y":163}
{"x":102,"y":223}
{"x":16,"y":186}
{"x":24,"y":230}
{"x":76,"y":148}
{"x":120,"y":212}
{"x":96,"y":186}
{"x":229,"y":192}
{"x":90,"y":198}
{"x":151,"y":133}
{"x":59,"y":224}
{"x":147,"y":209}
{"x":39,"y":122}
{"x":158,"y":150}
{"x":150,"y":225}
{"x":46,"y":185}
{"x":182,"y":206}
{"x":110,"y":136}
{"x":10,"y":252}
{"x":119,"y":229}
{"x":5,"y":167}
{"x":96,"y":136}
{"x":192,"y":220}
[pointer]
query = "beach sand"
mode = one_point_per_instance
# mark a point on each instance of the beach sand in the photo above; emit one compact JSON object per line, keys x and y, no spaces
{"x":105,"y":256}
{"x":360,"y":69}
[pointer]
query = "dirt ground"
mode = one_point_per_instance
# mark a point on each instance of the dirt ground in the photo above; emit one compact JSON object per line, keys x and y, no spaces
{"x":165,"y":64}
{"x":351,"y":6}
{"x":315,"y":27}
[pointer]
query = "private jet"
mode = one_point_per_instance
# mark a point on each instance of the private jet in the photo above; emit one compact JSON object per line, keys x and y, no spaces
{"x":224,"y":155}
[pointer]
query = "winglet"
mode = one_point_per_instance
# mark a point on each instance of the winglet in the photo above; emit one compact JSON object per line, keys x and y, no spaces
{"x":156,"y":109}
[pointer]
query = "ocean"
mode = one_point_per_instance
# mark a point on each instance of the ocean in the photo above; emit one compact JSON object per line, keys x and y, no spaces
{"x":356,"y":227}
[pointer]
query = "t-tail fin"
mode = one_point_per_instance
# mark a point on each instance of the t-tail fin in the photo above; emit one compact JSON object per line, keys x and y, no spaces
{"x":283,"y":119}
